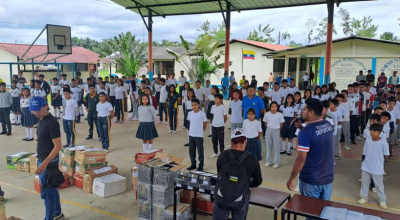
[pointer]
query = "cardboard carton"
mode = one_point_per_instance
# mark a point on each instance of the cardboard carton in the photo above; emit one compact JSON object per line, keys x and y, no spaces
{"x":12,"y":160}
{"x":90,"y":156}
{"x":146,"y":155}
{"x":182,"y":212}
{"x":67,"y":155}
{"x":109,"y":185}
{"x":81,"y":169}
{"x":89,"y":177}
{"x":2,"y":209}
{"x":134,"y":172}
{"x":78,"y":181}
{"x":33,"y":163}
{"x":67,"y":168}
{"x":37,"y":186}
{"x":24,"y":165}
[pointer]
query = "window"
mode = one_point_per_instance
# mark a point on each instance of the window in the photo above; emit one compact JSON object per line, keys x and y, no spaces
{"x":279,"y":65}
{"x":81,"y":67}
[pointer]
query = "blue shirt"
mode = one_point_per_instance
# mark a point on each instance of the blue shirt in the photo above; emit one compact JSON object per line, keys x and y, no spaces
{"x":278,"y":79}
{"x":225,"y":81}
{"x":256,"y":103}
{"x":316,"y":140}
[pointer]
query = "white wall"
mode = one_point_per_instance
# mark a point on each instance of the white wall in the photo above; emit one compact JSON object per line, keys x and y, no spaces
{"x":5,"y":69}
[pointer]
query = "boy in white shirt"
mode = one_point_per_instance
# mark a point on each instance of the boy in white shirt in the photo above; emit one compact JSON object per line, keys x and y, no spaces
{"x":372,"y":165}
{"x":274,"y":122}
{"x":197,"y":125}
{"x":235,"y":109}
{"x":276,"y":95}
{"x":394,"y":120}
{"x":284,"y":89}
{"x":207,"y":92}
{"x":69,"y":118}
{"x":337,"y":120}
{"x":218,"y":124}
{"x":76,"y":96}
{"x":200,"y":94}
{"x":293,"y":89}
{"x":163,"y":100}
{"x":348,"y":109}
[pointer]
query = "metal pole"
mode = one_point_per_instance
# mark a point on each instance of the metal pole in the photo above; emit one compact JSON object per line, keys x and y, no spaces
{"x":227,"y":36}
{"x":150,"y":25}
{"x":10,"y":74}
{"x":73,"y":70}
{"x":58,"y":71}
{"x":33,"y":43}
{"x":328,"y":56}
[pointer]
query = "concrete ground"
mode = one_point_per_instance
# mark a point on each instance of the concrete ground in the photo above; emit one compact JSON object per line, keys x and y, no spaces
{"x":25,"y":203}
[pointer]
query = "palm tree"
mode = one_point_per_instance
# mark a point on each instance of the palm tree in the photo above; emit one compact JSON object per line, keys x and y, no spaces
{"x":388,"y":36}
{"x":285,"y":36}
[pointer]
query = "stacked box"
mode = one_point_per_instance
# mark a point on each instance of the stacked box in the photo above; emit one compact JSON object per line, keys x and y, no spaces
{"x":163,"y":197}
{"x":144,"y":192}
{"x":24,"y":165}
{"x":145,"y":209}
{"x":12,"y":160}
{"x":163,"y":178}
{"x":67,"y":168}
{"x":158,"y":212}
{"x":144,"y":173}
{"x":81,"y":169}
{"x":183,"y":212}
{"x":33,"y":163}
{"x":67,"y":159}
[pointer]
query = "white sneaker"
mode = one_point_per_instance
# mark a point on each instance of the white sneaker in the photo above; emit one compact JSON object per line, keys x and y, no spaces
{"x":170,"y":131}
{"x":359,"y":138}
{"x":384,"y":173}
{"x":297,"y":189}
{"x":360,"y":180}
{"x":362,"y":201}
{"x":276,"y":166}
{"x":374,"y":189}
{"x":347,"y":148}
{"x":267,"y":164}
{"x":214,"y":155}
{"x":173,"y":132}
{"x":383,"y":205}
{"x":165,"y":122}
{"x":340,"y":150}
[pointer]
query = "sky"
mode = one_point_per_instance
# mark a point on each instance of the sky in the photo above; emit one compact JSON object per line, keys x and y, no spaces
{"x":22,"y":20}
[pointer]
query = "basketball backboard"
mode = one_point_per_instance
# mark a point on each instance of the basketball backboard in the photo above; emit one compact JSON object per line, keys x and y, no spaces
{"x":58,"y":39}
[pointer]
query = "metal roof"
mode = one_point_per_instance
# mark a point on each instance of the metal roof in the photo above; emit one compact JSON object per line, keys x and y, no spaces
{"x":186,"y":7}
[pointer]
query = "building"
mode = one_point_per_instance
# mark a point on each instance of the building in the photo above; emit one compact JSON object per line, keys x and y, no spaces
{"x":81,"y":59}
{"x":349,"y":56}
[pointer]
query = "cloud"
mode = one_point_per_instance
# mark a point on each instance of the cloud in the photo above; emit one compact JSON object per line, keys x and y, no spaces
{"x":22,"y":20}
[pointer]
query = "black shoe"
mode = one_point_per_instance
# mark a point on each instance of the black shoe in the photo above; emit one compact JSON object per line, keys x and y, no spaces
{"x":86,"y":119}
{"x":131,"y":111}
{"x":288,"y":153}
{"x":14,"y":124}
{"x":25,"y":139}
{"x":88,"y":138}
{"x":67,"y":145}
{"x":8,"y":134}
{"x":4,"y":132}
{"x":283,"y":152}
{"x":82,"y":115}
{"x":30,"y":139}
{"x":191,"y":167}
{"x":186,"y":145}
{"x":353,"y":142}
{"x":60,"y":216}
{"x":99,"y":139}
{"x":210,"y":135}
{"x":200,"y":169}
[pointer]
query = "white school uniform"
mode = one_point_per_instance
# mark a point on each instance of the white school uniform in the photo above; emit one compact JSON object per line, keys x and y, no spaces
{"x":69,"y":111}
{"x":374,"y":160}
{"x":119,"y":92}
{"x":55,"y":89}
{"x":293,"y":90}
{"x":219,"y":112}
{"x":196,"y":123}
{"x":164,"y":94}
{"x":236,"y":111}
{"x":112,"y":87}
{"x":39,"y":93}
{"x":15,"y":92}
{"x":251,"y":128}
{"x":76,"y":93}
{"x":64,"y":82}
{"x":285,"y":91}
{"x":289,"y":111}
{"x":274,"y":120}
{"x":104,"y":109}
{"x":276,"y":96}
{"x":199,"y":93}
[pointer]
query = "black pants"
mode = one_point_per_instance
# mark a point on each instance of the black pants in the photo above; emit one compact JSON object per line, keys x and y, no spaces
{"x":158,"y":97}
{"x":130,"y":98}
{"x":119,"y":109}
{"x":354,"y":124}
{"x":125,"y":104}
{"x":263,"y":127}
{"x":368,"y":113}
{"x":196,"y":143}
{"x":362,"y":121}
{"x":92,"y":117}
{"x":1,"y":192}
{"x":173,"y":117}
{"x":181,"y":88}
{"x":218,"y":137}
{"x":112,"y":101}
{"x":305,"y":84}
{"x":5,"y":119}
{"x":162,"y":109}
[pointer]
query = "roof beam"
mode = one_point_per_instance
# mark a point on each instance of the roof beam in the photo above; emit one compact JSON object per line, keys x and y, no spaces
{"x":139,"y":5}
{"x":141,"y":15}
{"x":222,"y":11}
{"x":172,"y":4}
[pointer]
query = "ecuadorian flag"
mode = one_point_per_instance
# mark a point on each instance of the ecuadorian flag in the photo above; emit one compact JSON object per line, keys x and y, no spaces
{"x":249,"y":55}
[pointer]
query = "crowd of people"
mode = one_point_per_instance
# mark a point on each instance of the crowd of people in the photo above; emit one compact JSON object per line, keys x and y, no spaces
{"x":276,"y":113}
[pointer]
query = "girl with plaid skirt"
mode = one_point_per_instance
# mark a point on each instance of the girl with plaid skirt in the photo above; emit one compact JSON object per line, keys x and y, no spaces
{"x":287,"y":133}
{"x":28,"y":119}
{"x":253,"y":131}
{"x":16,"y":94}
{"x":147,"y":118}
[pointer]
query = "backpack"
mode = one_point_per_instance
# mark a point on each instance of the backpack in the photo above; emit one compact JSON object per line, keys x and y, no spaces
{"x":233,"y":183}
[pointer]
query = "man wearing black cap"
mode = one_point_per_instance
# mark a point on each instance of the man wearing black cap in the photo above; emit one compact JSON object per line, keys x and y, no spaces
{"x":48,"y":147}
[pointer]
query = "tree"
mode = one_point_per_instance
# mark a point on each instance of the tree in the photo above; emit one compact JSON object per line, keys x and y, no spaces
{"x":388,"y":36}
{"x":344,"y":15}
{"x":285,"y":36}
{"x":218,"y":33}
{"x":199,"y":62}
{"x":294,"y":44}
{"x":310,"y":24}
{"x":322,"y":30}
{"x":364,"y":27}
{"x":263,"y":34}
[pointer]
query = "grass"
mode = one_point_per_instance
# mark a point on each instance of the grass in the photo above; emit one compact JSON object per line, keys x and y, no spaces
{"x":104,"y":73}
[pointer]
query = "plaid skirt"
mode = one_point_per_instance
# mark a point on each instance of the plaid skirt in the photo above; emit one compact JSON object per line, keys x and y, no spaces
{"x":28,"y":119}
{"x":56,"y":102}
{"x":287,"y":130}
{"x":209,"y":115}
{"x":146,"y":131}
{"x":16,"y":106}
{"x":253,"y":147}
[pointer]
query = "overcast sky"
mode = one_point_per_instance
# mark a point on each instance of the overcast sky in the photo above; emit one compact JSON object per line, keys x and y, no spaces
{"x":22,"y":20}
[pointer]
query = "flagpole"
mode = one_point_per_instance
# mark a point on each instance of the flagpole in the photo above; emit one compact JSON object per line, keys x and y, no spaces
{"x":242,"y":60}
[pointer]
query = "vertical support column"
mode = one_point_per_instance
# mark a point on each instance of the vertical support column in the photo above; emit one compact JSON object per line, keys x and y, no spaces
{"x":33,"y":69}
{"x":109,"y":74}
{"x":58,"y":71}
{"x":73,"y":70}
{"x":285,"y":74}
{"x":150,"y":25}
{"x":321,"y":72}
{"x":308,"y":66}
{"x":10,"y":73}
{"x":227,"y":36}
{"x":297,"y":71}
{"x":373,"y":68}
{"x":331,"y":8}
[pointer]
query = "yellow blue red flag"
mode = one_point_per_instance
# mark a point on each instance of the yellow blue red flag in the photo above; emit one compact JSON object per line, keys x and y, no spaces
{"x":249,"y":54}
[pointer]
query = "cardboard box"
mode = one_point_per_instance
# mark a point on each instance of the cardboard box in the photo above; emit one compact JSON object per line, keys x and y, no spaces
{"x":2,"y":209}
{"x":12,"y":160}
{"x":33,"y":163}
{"x":204,"y":203}
{"x":146,"y":155}
{"x":37,"y":186}
{"x":67,"y":155}
{"x":78,"y":181}
{"x":81,"y":169}
{"x":92,"y":174}
{"x":134,"y":172}
{"x":183,"y":212}
{"x":67,"y":168}
{"x":90,"y":156}
{"x":24,"y":165}
{"x":109,"y":185}
{"x":187,"y":196}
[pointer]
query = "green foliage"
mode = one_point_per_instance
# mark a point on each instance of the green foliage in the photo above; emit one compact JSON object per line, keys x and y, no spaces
{"x":364,"y":27}
{"x":388,"y":36}
{"x":285,"y":36}
{"x":294,"y":44}
{"x":263,"y":34}
{"x":344,"y":15}
{"x":218,"y":34}
{"x":322,"y":30}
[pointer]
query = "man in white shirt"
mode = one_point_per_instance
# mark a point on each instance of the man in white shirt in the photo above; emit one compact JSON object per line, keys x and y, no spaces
{"x":207,"y":92}
{"x":182,"y":80}
{"x":163,"y":99}
{"x":306,"y":77}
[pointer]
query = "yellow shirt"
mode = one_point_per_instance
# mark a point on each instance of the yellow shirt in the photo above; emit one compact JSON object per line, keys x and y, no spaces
{"x":242,"y":82}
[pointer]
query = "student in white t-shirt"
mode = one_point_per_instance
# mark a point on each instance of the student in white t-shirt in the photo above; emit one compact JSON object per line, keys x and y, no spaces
{"x":285,"y":89}
{"x":163,"y":100}
{"x":276,"y":95}
{"x":317,"y":93}
{"x":373,"y":165}
{"x":218,"y":124}
{"x":69,"y":118}
{"x":105,"y":112}
{"x":200,"y":94}
{"x":336,"y":112}
{"x":207,"y":92}
{"x":348,"y":109}
{"x":306,"y":77}
{"x":120,"y":95}
{"x":394,"y":119}
{"x":235,"y":109}
{"x":274,"y":122}
{"x":253,"y":131}
{"x":197,"y":125}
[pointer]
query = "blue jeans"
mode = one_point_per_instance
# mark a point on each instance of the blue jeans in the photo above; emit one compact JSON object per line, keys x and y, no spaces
{"x":239,"y":214}
{"x":50,"y":196}
{"x":315,"y":191}
{"x":69,"y":129}
{"x":104,"y":126}
{"x":162,"y":109}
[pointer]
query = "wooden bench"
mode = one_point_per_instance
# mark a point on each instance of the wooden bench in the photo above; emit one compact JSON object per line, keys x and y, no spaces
{"x":268,"y":198}
{"x":310,"y":207}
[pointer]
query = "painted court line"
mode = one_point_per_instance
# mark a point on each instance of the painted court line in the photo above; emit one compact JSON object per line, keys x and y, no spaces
{"x":70,"y":202}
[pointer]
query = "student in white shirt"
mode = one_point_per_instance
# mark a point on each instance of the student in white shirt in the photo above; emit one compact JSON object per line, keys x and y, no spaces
{"x":120,"y":95}
{"x":172,"y":80}
{"x":276,"y":95}
{"x":188,"y":103}
{"x":76,"y":95}
{"x":253,"y":131}
{"x":207,"y":92}
{"x":285,"y":90}
{"x":211,"y":102}
{"x":134,"y":99}
{"x":336,"y":112}
{"x":317,"y":93}
{"x":64,"y":81}
{"x":293,"y":89}
{"x":56,"y":100}
{"x":147,"y":117}
{"x":182,"y":80}
{"x":324,"y":93}
{"x":127,"y":93}
{"x":274,"y":122}
{"x":16,"y":94}
{"x":372,"y":165}
{"x":348,"y":109}
{"x":38,"y":90}
{"x":235,"y":109}
{"x":105,"y":112}
{"x":200,"y":94}
{"x":163,"y":100}
{"x":394,"y":120}
{"x":111,"y":90}
{"x":306,"y":77}
{"x":28,"y":119}
{"x":197,"y":125}
{"x":184,"y":96}
{"x":288,"y":130}
{"x":218,"y":124}
{"x":69,"y":118}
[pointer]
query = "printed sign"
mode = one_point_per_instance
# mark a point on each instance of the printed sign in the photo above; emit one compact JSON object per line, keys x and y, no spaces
{"x":345,"y":70}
